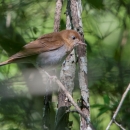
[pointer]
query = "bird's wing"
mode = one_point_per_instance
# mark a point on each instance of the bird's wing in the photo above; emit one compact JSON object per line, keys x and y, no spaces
{"x":45,"y":43}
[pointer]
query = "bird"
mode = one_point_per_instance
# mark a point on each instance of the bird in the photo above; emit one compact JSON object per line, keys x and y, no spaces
{"x":48,"y":50}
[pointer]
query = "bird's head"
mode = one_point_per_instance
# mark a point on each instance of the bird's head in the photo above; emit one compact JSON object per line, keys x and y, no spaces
{"x":71,"y":38}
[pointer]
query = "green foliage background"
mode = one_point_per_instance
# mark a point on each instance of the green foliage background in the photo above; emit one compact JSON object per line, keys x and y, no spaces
{"x":106,"y":25}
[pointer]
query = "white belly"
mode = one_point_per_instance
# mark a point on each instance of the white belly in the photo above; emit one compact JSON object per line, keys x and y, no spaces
{"x":51,"y":58}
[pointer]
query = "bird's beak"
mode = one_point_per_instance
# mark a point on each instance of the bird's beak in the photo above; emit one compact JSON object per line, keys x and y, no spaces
{"x":81,"y":43}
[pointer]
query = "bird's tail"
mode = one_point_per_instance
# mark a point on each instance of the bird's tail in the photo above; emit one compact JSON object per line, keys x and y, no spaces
{"x":4,"y":63}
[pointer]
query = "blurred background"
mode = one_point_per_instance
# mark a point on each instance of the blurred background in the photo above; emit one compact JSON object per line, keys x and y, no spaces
{"x":106,"y":25}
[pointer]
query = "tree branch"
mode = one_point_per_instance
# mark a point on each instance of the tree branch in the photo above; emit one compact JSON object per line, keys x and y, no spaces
{"x":76,"y":10}
{"x":69,"y":96}
{"x":118,"y":108}
{"x":57,"y":15}
{"x":119,"y":125}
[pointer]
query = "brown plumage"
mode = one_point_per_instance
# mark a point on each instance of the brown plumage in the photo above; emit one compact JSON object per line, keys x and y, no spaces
{"x":49,"y":49}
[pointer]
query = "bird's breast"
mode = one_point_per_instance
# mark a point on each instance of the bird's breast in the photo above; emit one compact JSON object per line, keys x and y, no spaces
{"x":51,"y":58}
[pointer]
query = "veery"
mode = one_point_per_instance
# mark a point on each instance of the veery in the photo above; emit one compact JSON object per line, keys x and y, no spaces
{"x":48,"y":50}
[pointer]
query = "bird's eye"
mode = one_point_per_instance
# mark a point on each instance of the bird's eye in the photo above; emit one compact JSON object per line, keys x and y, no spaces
{"x":73,"y":37}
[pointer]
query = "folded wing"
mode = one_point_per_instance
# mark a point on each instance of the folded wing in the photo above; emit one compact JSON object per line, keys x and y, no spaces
{"x":45,"y":43}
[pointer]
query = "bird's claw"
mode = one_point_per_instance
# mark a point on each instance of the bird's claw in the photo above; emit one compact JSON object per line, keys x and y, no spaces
{"x":52,"y":78}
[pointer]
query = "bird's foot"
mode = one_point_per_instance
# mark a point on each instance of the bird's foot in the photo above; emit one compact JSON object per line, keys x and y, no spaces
{"x":52,"y":78}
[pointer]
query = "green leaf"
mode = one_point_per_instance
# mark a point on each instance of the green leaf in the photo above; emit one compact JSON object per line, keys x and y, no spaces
{"x":96,"y":3}
{"x":106,"y":99}
{"x":102,"y":110}
{"x":62,"y":122}
{"x":35,"y":30}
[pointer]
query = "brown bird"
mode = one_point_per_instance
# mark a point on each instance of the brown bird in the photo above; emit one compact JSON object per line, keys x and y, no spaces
{"x":48,"y":50}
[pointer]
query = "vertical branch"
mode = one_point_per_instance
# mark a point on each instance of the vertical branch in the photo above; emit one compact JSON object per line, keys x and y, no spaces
{"x":59,"y":4}
{"x":48,"y":97}
{"x":47,"y":124}
{"x":68,"y":16}
{"x":67,"y":78}
{"x":76,"y":10}
{"x":68,"y":68}
{"x":119,"y":106}
{"x":46,"y":110}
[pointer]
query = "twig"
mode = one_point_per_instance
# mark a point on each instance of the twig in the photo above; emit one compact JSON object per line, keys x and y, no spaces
{"x":119,"y":125}
{"x":72,"y":111}
{"x":76,"y":11}
{"x":69,"y":97}
{"x":57,"y":15}
{"x":67,"y":73}
{"x":118,"y":108}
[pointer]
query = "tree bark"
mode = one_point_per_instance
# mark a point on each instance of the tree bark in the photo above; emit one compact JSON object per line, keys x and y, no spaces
{"x":76,"y":9}
{"x":48,"y":97}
